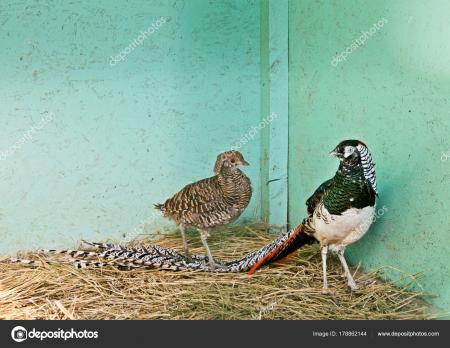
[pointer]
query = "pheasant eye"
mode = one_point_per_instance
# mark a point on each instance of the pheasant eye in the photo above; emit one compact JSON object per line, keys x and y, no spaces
{"x":232,"y":160}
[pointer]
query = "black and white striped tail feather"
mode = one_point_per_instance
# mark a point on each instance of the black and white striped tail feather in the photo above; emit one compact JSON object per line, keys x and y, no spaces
{"x":170,"y":259}
{"x":153,"y":256}
{"x":116,"y":255}
{"x":107,"y":251}
{"x":72,"y":255}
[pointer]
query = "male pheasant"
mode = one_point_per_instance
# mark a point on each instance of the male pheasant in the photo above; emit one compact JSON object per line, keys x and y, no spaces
{"x":340,"y":211}
{"x":211,"y":202}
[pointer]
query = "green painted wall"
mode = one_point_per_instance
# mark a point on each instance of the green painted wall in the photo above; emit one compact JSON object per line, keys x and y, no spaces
{"x":87,"y":144}
{"x":122,"y":135}
{"x":274,"y":111}
{"x":393,"y":92}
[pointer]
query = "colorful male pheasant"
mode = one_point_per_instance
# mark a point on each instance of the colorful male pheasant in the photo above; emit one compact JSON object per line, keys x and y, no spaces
{"x":340,"y":211}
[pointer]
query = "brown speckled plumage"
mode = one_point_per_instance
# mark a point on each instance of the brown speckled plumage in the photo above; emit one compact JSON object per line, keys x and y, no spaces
{"x":211,"y":202}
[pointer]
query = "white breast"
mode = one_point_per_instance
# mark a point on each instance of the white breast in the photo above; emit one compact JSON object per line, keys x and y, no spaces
{"x":342,"y":229}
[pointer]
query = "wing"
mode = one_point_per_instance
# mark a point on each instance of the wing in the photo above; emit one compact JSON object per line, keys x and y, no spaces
{"x":196,"y":197}
{"x":316,"y":197}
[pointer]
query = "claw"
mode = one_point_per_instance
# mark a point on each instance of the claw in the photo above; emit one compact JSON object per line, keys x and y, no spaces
{"x":212,"y":265}
{"x":327,"y":291}
{"x":353,"y":286}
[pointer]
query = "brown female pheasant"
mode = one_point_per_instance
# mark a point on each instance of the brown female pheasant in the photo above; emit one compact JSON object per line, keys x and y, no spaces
{"x":211,"y":202}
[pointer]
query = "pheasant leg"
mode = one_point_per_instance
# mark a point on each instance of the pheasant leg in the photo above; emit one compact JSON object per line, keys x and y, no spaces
{"x":185,"y":244}
{"x":204,"y":236}
{"x":324,"y":251}
{"x":351,"y":281}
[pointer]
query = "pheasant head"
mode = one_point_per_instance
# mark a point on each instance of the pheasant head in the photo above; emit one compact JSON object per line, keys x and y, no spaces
{"x":354,"y":153}
{"x":230,"y":159}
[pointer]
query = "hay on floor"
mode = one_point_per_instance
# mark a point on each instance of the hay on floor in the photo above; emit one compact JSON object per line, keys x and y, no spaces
{"x":289,"y":289}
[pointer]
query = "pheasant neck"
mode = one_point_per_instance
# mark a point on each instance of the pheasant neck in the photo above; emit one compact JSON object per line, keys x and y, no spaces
{"x":235,"y":186}
{"x":349,"y":190}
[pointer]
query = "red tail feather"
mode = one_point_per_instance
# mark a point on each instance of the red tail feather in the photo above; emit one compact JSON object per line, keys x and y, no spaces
{"x":273,"y":252}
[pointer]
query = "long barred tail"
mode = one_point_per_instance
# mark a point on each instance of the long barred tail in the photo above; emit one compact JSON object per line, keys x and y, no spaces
{"x":149,"y":256}
{"x":153,"y":256}
{"x":70,"y":255}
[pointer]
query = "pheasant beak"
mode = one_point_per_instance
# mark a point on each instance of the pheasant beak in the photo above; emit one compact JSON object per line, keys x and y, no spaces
{"x":245,"y":163}
{"x":337,"y":154}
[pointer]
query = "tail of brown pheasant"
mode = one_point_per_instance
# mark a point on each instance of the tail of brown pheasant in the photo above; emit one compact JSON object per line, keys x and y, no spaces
{"x":159,"y":206}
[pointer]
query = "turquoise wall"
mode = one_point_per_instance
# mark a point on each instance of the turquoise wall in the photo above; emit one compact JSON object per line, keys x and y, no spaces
{"x":89,"y":142}
{"x":275,"y":111}
{"x":118,"y":135}
{"x":393,"y":92}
